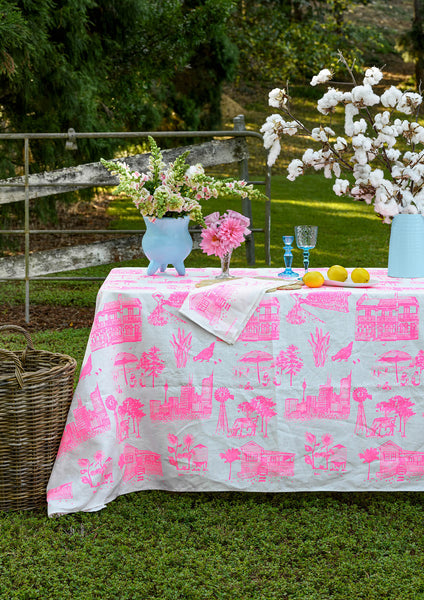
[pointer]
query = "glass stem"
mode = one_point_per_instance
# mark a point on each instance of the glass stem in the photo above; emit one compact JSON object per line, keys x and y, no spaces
{"x":306,"y":259}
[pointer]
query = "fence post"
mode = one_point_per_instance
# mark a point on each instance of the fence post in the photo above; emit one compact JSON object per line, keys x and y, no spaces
{"x":239,"y":125}
{"x":26,"y":228}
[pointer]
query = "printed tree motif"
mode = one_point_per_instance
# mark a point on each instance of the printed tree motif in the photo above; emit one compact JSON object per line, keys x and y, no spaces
{"x":133,"y":408}
{"x":369,"y":456}
{"x":230,"y":456}
{"x":172,"y":439}
{"x":100,"y":465}
{"x":289,"y":362}
{"x":181,"y":347}
{"x":265,"y":408}
{"x":404,"y":411}
{"x":419,"y":361}
{"x":152,"y":364}
{"x":222,"y":394}
{"x":320,"y":345}
{"x":248,"y":408}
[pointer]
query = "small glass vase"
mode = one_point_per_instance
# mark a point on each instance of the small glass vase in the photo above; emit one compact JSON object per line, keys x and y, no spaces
{"x":225,"y":266}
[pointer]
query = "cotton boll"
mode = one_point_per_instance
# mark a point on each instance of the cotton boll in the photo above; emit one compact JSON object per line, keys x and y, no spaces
{"x":295,"y":169}
{"x":341,"y":186}
{"x":409,"y":102}
{"x":340,"y":144}
{"x":277,"y":98}
{"x":392,"y":154}
{"x":373,"y":76}
{"x":391,"y":97}
{"x":323,"y":76}
{"x":336,"y":169}
{"x":363,"y":95}
{"x":350,"y":111}
{"x":274,"y":152}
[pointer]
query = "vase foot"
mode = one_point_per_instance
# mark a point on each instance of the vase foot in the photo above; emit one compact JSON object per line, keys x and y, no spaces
{"x":153,"y":267}
{"x":179,"y":267}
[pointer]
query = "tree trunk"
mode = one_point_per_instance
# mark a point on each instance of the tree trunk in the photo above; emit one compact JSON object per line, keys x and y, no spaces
{"x":418,"y":42}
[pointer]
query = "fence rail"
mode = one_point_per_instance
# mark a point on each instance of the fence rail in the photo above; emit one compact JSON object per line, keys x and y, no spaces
{"x":225,"y":147}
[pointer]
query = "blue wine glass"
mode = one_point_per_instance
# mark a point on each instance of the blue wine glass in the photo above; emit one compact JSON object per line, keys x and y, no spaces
{"x":306,"y":239}
{"x":288,"y":258}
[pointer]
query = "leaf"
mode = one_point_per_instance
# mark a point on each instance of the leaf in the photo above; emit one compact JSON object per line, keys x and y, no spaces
{"x":310,"y":438}
{"x":308,"y":448}
{"x":173,"y":439}
{"x":308,"y":460}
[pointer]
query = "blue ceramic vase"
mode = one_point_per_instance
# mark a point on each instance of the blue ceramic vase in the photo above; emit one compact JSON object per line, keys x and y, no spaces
{"x":167,"y":241}
{"x":406,"y":249}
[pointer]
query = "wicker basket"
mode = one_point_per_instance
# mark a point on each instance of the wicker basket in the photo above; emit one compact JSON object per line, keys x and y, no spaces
{"x":36,"y":389}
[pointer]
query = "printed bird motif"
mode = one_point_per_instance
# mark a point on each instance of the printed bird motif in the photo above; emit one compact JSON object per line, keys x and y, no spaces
{"x":344,"y":353}
{"x":206,"y":353}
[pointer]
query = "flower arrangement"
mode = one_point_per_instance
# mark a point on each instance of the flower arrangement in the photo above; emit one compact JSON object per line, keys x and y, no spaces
{"x":223,"y":233}
{"x":390,"y":178}
{"x":175,"y":190}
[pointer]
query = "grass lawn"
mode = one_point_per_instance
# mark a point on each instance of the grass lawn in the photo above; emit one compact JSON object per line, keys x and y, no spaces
{"x":225,"y":546}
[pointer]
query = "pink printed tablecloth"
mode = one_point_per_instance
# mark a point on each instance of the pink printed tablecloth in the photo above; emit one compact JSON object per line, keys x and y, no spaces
{"x":323,"y":390}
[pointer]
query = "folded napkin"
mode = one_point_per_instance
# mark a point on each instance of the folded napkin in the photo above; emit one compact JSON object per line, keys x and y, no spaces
{"x":224,"y":308}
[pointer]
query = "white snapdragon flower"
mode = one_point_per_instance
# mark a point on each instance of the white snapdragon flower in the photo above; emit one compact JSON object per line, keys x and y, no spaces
{"x":323,"y":76}
{"x":409,"y":102}
{"x":277,"y":98}
{"x":363,"y":95}
{"x":390,"y":97}
{"x":295,"y":169}
{"x":341,"y":186}
{"x":373,"y":76}
{"x":329,"y":101}
{"x":195,"y":170}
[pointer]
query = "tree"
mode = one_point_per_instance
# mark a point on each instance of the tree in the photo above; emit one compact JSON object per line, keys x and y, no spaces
{"x":369,"y":456}
{"x":230,"y":456}
{"x":108,"y":65}
{"x":412,"y":43}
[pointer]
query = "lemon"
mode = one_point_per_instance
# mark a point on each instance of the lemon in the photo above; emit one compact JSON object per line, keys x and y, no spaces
{"x":337,"y":273}
{"x":360,"y":275}
{"x":313,"y":279}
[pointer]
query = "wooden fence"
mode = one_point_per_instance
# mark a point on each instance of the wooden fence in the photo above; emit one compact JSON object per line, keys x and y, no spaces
{"x":224,"y":147}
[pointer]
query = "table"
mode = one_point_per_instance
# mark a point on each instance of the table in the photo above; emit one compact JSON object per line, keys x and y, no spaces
{"x":323,"y":390}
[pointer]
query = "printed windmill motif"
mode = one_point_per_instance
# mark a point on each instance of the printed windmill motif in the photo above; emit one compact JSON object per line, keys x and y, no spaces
{"x":87,"y":424}
{"x":118,"y":322}
{"x":328,"y":404}
{"x":397,"y":412}
{"x":395,"y":463}
{"x":259,"y":465}
{"x":264,"y":324}
{"x":185,"y":457}
{"x":139,"y":465}
{"x":188,"y":405}
{"x":323,"y":455}
{"x":387,"y":319}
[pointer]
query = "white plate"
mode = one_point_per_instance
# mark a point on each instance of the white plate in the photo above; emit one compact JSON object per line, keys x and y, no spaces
{"x":350,"y":283}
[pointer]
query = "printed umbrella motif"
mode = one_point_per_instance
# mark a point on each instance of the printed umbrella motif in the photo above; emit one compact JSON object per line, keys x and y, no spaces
{"x":395,"y":356}
{"x":256,"y":356}
{"x":124,"y":358}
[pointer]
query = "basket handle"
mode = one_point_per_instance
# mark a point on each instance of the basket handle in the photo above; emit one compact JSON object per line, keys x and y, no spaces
{"x":19,"y":329}
{"x":12,"y":356}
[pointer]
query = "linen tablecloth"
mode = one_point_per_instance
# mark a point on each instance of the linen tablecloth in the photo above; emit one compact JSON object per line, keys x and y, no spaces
{"x":323,"y":390}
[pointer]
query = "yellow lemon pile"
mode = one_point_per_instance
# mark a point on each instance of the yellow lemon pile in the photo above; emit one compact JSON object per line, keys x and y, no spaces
{"x":339,"y":273}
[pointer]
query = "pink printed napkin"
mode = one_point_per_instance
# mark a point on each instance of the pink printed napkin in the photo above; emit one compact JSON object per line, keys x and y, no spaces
{"x":224,"y":308}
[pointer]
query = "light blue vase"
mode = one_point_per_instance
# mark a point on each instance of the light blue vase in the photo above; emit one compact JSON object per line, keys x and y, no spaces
{"x":167,"y":241}
{"x":406,"y":249}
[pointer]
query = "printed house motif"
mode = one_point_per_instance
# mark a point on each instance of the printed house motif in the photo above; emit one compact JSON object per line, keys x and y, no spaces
{"x":256,"y":462}
{"x":88,"y":423}
{"x":264,"y":324}
{"x":189,"y":405}
{"x":327,"y":405}
{"x":387,"y":319}
{"x":139,"y":463}
{"x":399,"y":463}
{"x":118,"y":322}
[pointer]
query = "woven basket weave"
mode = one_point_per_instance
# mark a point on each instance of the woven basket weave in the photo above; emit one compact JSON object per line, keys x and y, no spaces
{"x":36,"y":389}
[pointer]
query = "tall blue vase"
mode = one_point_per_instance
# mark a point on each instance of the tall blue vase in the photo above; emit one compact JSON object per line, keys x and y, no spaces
{"x":406,"y":249}
{"x":167,"y":241}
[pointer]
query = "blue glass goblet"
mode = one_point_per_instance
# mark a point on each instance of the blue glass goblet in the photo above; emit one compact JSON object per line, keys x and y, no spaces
{"x":306,"y":239}
{"x":288,"y":258}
